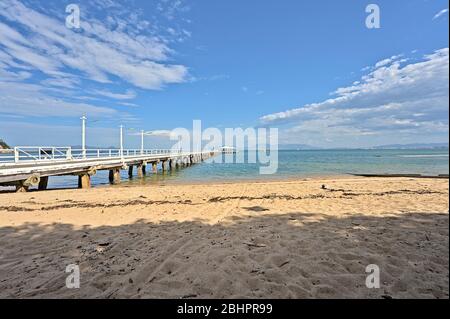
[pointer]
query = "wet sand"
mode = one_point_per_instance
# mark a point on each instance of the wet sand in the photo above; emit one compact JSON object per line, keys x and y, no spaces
{"x":277,"y":239}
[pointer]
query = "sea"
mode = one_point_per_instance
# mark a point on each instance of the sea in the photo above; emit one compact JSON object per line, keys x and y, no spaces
{"x":291,"y":164}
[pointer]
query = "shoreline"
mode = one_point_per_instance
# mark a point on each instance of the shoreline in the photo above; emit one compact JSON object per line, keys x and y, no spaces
{"x":147,"y":182}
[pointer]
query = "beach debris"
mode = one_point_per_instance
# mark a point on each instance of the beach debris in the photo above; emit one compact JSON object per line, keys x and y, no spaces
{"x":101,"y":246}
{"x":188,"y":296}
{"x":256,"y":209}
{"x":324,"y":186}
{"x":99,"y":249}
{"x":254,"y":245}
{"x":104,"y":243}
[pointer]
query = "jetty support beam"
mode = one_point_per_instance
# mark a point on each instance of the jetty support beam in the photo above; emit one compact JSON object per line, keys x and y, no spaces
{"x":21,"y":188}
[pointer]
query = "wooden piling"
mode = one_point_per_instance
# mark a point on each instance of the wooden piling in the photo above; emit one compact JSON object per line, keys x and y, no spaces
{"x":114,"y":176}
{"x":130,"y":171}
{"x":84,"y":181}
{"x":140,"y":170}
{"x":43,"y":183}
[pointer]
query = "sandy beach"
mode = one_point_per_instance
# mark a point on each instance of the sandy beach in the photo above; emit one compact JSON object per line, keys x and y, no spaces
{"x":278,"y":239}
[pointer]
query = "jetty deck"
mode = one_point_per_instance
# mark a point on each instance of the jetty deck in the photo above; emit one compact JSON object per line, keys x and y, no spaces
{"x":25,"y":167}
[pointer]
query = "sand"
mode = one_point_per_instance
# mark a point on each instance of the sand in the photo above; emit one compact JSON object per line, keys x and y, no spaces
{"x":279,"y":239}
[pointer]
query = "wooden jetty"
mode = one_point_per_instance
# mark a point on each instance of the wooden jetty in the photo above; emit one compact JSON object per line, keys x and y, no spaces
{"x":24,"y":167}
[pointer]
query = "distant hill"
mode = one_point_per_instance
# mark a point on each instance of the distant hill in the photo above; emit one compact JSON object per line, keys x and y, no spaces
{"x":413,"y":146}
{"x":3,"y":145}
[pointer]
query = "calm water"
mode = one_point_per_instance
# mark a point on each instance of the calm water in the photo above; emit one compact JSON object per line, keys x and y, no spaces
{"x":293,"y":164}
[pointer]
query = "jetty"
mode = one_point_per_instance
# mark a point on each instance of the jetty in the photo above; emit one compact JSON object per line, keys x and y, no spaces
{"x":27,"y":166}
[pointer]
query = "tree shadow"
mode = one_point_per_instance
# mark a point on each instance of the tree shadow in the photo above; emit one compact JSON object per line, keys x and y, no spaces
{"x":263,"y":255}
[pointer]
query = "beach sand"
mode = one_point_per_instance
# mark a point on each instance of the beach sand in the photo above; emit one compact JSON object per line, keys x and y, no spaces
{"x":279,"y":239}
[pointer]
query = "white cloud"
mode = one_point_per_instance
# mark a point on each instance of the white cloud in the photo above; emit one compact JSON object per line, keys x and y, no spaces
{"x":98,"y":52}
{"x":389,"y":101}
{"x":18,"y":133}
{"x":387,"y":61}
{"x":128,"y":95}
{"x":171,"y":8}
{"x":33,"y":100}
{"x":440,"y":13}
{"x":160,"y":133}
{"x":45,"y":67}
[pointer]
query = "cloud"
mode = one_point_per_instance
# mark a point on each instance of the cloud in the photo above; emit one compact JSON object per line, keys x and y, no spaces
{"x":387,"y":61}
{"x":97,"y":51}
{"x":440,"y":13}
{"x":33,"y":100}
{"x":160,"y":133}
{"x":392,"y":100}
{"x":128,"y":95}
{"x":58,"y":135}
{"x":45,"y":67}
{"x":171,"y":8}
{"x":155,"y":133}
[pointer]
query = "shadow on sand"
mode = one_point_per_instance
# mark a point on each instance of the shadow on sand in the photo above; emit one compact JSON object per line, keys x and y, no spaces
{"x":294,"y":255}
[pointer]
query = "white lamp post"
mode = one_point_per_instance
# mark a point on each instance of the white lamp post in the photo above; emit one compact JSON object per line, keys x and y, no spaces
{"x":142,"y":142}
{"x":121,"y":140}
{"x":83,"y":136}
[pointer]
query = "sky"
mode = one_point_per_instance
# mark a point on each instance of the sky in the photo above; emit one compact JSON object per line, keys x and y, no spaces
{"x":310,"y":68}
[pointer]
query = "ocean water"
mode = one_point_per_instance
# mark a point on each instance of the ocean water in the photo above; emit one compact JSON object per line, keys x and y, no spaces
{"x":291,"y":164}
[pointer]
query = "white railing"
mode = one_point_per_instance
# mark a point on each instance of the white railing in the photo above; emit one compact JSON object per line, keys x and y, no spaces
{"x":41,"y":154}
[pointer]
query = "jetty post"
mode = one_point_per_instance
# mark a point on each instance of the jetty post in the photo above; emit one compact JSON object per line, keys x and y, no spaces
{"x":114,"y":176}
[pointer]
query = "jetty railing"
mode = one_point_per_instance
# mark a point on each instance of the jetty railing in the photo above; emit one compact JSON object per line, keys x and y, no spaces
{"x":26,"y":154}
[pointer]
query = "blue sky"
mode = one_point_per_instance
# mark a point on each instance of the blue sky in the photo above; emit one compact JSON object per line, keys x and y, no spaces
{"x":310,"y":68}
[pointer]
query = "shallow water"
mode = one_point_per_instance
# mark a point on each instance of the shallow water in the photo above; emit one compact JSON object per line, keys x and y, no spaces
{"x":291,"y":164}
